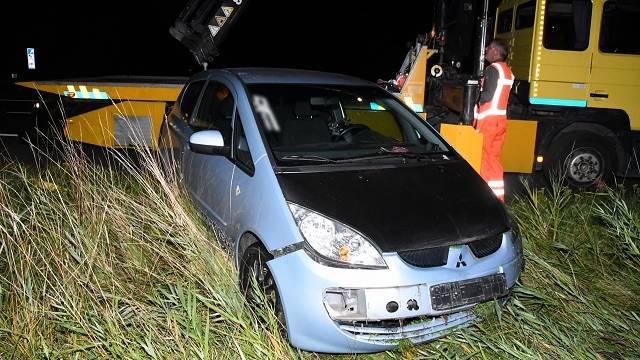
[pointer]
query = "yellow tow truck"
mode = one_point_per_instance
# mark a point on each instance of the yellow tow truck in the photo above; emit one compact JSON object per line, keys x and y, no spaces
{"x":573,"y":111}
{"x":114,"y":112}
{"x":128,"y":111}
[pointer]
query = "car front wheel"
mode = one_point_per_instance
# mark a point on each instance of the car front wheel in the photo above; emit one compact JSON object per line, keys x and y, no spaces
{"x":253,"y":267}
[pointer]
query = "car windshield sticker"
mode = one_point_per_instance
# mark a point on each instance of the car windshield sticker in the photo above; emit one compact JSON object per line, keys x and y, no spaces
{"x":263,"y":108}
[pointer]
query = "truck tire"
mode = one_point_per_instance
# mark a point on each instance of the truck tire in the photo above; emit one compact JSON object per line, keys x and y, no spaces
{"x":581,"y":161}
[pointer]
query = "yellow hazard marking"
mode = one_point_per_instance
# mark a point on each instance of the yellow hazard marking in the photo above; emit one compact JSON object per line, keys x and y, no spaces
{"x":214,"y":30}
{"x":227,"y":10}
{"x":84,"y":91}
{"x":221,"y":20}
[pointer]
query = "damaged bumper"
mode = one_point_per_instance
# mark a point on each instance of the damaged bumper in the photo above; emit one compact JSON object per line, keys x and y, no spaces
{"x":339,"y":310}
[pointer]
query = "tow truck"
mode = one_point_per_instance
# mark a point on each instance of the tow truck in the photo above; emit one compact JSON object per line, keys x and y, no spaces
{"x":572,"y":112}
{"x":128,"y":111}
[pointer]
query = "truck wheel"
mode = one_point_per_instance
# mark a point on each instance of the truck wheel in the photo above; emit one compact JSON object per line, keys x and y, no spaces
{"x":581,"y":162}
{"x":253,"y":265}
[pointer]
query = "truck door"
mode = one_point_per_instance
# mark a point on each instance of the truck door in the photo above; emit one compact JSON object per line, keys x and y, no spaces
{"x":615,"y":73}
{"x":561,"y":58}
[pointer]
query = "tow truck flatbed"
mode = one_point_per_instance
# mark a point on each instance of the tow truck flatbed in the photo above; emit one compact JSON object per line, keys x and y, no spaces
{"x":123,"y":111}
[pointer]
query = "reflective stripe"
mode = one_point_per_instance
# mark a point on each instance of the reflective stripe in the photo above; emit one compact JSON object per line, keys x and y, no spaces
{"x":498,"y":192}
{"x":94,"y":94}
{"x":490,"y":112}
{"x":496,"y":183}
{"x":560,"y":102}
{"x":501,"y":71}
{"x":84,"y":93}
{"x":505,"y":82}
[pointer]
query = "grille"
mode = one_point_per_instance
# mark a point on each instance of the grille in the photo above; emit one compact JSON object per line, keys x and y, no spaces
{"x":486,"y":246}
{"x":426,"y":257}
{"x":417,"y":330}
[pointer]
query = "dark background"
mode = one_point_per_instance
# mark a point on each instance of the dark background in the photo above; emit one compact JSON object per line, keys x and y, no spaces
{"x":87,"y":39}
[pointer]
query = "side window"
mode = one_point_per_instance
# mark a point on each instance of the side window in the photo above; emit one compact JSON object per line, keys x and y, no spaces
{"x":241,"y":146}
{"x":619,"y":22}
{"x":505,"y":18}
{"x":215,"y":111}
{"x":567,"y":24}
{"x":525,"y":15}
{"x":190,"y":98}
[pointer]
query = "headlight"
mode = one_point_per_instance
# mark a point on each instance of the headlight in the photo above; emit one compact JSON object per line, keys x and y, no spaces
{"x":334,"y":241}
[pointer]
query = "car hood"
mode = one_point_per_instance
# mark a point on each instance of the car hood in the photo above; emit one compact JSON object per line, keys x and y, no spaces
{"x":402,"y":208}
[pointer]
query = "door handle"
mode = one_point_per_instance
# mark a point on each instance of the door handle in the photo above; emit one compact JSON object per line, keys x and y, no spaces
{"x":599,"y":94}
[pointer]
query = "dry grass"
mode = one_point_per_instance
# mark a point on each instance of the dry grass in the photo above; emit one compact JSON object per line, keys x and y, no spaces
{"x":112,"y":262}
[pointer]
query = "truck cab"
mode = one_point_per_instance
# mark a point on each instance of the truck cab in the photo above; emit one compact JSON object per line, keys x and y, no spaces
{"x":578,"y":74}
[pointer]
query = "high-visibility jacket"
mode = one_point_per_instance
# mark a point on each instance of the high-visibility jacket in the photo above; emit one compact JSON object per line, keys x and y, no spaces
{"x":498,"y":104}
{"x":490,"y":119}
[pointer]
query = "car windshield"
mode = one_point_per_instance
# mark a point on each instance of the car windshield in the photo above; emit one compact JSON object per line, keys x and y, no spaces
{"x":311,"y":124}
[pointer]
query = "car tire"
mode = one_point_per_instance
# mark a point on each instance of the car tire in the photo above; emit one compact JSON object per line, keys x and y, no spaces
{"x":253,"y":265}
{"x":582,"y":162}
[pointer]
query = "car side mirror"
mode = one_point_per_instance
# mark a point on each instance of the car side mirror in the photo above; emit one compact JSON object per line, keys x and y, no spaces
{"x":208,"y":142}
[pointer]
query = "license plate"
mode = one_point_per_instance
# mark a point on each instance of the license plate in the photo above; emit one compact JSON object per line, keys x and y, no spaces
{"x":466,"y":292}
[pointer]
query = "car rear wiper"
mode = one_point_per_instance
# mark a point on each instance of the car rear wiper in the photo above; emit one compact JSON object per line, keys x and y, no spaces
{"x":309,"y":158}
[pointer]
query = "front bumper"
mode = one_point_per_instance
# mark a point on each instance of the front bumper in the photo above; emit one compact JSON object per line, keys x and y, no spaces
{"x":302,"y":283}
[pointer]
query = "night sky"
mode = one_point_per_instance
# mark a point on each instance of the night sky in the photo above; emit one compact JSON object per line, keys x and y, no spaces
{"x":86,"y":39}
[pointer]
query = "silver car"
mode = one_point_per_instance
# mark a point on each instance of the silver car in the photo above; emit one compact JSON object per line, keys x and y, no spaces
{"x":361,"y":224}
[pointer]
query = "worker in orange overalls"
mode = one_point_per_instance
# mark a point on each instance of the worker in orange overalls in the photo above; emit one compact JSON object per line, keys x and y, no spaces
{"x":490,"y":114}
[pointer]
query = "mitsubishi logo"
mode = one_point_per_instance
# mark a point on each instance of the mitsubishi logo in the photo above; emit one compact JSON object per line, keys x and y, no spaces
{"x":461,"y":261}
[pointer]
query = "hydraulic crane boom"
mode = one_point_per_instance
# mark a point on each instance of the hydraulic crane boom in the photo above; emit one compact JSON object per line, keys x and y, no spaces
{"x":203,"y":24}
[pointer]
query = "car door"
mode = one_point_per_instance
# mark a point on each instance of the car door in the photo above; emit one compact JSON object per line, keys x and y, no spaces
{"x":208,"y":177}
{"x":242,"y":191}
{"x":174,"y":137}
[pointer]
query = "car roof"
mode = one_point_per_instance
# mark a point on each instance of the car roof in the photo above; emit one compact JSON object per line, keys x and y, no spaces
{"x":294,"y":76}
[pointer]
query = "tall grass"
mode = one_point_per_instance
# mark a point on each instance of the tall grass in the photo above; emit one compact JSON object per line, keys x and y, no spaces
{"x":111,"y":261}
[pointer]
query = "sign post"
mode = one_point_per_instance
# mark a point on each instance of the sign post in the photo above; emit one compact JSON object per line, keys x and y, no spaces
{"x":31,"y":58}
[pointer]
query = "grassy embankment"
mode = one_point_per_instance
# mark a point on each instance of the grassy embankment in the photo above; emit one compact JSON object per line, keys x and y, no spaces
{"x":99,"y":262}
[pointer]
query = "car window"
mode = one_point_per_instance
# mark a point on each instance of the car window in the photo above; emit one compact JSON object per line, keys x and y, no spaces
{"x":338,"y":123}
{"x":215,"y":111}
{"x":241,"y":146}
{"x":190,"y":98}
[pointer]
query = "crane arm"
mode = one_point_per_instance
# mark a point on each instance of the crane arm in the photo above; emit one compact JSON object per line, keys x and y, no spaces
{"x":203,"y":25}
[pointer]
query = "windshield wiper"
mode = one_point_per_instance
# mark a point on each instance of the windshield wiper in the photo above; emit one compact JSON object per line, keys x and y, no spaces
{"x":309,"y":158}
{"x":384,"y":153}
{"x":366,"y":157}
